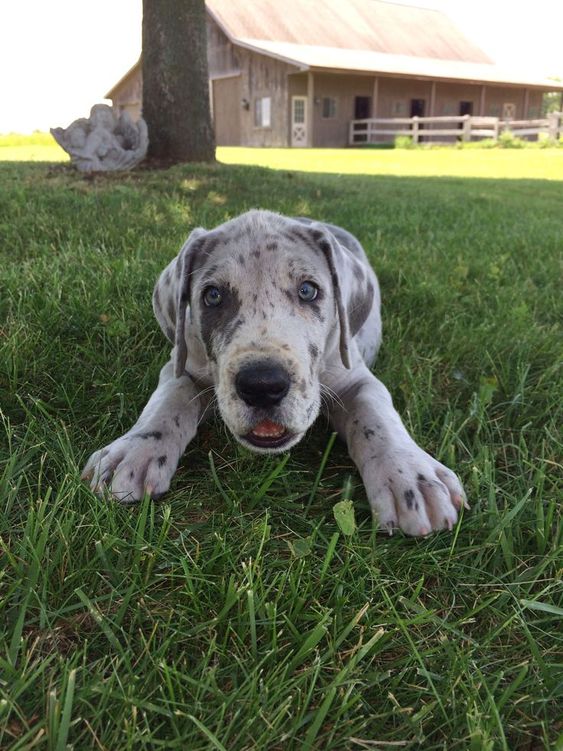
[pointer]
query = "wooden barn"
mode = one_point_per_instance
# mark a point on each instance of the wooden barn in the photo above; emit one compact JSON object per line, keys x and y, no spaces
{"x":300,"y":72}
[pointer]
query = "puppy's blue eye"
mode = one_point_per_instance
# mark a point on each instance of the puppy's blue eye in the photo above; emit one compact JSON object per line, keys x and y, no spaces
{"x":308,"y":291}
{"x":212,"y":297}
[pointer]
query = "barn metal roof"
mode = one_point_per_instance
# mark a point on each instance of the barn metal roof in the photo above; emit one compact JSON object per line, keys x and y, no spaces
{"x":366,"y":36}
{"x":365,"y":61}
{"x":375,"y":36}
{"x":374,"y":25}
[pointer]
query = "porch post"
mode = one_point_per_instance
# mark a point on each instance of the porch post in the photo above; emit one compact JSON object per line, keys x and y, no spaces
{"x":482,"y":101}
{"x":310,"y":109}
{"x":374,"y":97}
{"x":432,"y":99}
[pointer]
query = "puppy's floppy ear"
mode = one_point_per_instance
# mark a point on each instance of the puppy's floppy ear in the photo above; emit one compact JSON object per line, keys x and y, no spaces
{"x":353,"y":292}
{"x":172,"y":294}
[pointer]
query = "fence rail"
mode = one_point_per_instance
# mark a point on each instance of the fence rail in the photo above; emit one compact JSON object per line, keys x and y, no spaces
{"x":461,"y":127}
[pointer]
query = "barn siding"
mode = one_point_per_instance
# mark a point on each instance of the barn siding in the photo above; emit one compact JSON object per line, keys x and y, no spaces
{"x":265,"y":77}
{"x":260,"y":76}
{"x":222,"y":55}
{"x":344,"y":89}
{"x":226,"y":110}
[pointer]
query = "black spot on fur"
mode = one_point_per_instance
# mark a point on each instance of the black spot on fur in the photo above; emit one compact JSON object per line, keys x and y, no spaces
{"x":162,"y":460}
{"x":211,"y":242}
{"x":272,"y":245}
{"x":156,"y":434}
{"x":313,"y":350}
{"x":177,"y":420}
{"x":351,"y":392}
{"x":368,"y":432}
{"x":231,"y":330}
{"x":358,"y":272}
{"x":241,"y":259}
{"x":256,"y":253}
{"x":359,"y":309}
{"x":409,"y":498}
{"x":131,"y":475}
{"x":222,"y":318}
{"x":171,"y":309}
{"x":293,"y":235}
{"x":421,"y":478}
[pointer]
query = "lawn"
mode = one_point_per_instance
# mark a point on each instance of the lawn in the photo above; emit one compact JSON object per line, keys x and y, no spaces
{"x":233,"y":614}
{"x":530,"y":163}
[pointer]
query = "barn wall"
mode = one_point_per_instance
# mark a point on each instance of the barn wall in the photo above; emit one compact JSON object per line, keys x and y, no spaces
{"x":222,"y":55}
{"x":265,"y":77}
{"x":334,"y":131}
{"x":395,"y":94}
{"x":129,"y":96}
{"x":226,"y":110}
{"x":260,"y":76}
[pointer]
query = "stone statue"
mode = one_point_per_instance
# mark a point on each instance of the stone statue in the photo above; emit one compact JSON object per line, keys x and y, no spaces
{"x":104,"y":142}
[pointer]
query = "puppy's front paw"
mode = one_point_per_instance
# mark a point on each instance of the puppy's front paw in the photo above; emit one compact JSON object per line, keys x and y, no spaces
{"x":416,"y":493}
{"x":135,"y":464}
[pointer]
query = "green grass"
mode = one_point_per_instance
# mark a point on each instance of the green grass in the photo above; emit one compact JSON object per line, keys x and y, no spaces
{"x":544,"y":164}
{"x":531,"y":163}
{"x":233,"y":614}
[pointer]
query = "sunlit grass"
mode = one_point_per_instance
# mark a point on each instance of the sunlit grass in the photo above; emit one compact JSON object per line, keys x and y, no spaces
{"x":534,"y":163}
{"x":544,"y":164}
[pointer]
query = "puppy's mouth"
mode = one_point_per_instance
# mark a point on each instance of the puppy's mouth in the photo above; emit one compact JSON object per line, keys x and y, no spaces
{"x":268,"y":435}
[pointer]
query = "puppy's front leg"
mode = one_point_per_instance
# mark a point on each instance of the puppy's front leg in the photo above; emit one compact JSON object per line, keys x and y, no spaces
{"x":405,"y":486}
{"x":145,"y":458}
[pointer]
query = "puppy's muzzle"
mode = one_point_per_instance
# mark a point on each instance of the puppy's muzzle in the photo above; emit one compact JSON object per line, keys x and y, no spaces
{"x":262,"y":384}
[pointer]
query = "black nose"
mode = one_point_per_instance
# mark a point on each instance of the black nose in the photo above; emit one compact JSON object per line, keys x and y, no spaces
{"x":262,"y":384}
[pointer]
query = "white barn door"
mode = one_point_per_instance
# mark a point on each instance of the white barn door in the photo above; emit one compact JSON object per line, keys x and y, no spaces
{"x":299,"y":121}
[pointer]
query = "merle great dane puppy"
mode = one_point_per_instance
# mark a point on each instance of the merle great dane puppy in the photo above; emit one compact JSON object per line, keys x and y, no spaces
{"x":266,"y":314}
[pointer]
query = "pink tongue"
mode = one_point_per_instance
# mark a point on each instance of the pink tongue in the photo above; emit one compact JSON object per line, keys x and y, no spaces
{"x":268,"y":429}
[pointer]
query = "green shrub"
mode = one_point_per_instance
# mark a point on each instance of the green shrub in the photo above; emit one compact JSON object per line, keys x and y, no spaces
{"x":545,"y":142}
{"x":507,"y":140}
{"x":484,"y":143}
{"x":404,"y":142}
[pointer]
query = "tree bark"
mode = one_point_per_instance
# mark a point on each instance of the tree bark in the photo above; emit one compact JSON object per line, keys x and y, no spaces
{"x":175,"y":82}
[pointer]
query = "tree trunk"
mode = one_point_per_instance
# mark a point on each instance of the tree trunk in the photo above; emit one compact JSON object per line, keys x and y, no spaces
{"x":175,"y":81}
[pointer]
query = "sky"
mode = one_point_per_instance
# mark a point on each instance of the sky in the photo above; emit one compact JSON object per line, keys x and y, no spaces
{"x":59,"y":57}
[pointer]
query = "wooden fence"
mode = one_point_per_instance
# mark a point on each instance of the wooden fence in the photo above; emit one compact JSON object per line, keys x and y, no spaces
{"x":455,"y":128}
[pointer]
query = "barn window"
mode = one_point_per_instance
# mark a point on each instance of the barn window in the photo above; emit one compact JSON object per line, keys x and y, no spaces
{"x":263,"y":112}
{"x":328,"y":108}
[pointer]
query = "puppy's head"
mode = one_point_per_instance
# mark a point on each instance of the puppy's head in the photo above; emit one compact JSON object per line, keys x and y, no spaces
{"x":263,"y":303}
